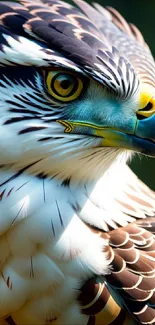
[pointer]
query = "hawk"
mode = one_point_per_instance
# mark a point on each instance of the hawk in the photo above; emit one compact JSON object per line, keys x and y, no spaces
{"x":77,"y":100}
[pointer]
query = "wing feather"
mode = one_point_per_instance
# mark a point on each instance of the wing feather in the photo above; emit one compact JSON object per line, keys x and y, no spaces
{"x":131,"y":281}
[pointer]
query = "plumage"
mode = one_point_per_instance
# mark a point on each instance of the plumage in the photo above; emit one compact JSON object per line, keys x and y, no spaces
{"x":77,"y":226}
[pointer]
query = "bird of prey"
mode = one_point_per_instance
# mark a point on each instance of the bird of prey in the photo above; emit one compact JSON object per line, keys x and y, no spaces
{"x":77,"y":100}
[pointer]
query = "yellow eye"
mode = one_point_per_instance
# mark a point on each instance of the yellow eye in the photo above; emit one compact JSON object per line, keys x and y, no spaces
{"x":64,"y":86}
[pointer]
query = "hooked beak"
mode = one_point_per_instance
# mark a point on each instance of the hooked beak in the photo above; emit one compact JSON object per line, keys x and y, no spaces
{"x":139,"y":142}
{"x":140,"y":139}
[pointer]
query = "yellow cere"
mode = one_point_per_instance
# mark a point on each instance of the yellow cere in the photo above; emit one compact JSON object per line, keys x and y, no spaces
{"x":63,"y":86}
{"x":147,"y":99}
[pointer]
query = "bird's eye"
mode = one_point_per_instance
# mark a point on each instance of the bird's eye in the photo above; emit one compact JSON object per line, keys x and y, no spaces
{"x":64,"y":86}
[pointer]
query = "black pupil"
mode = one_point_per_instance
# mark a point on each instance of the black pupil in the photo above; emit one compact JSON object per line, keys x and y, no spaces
{"x":65,"y":84}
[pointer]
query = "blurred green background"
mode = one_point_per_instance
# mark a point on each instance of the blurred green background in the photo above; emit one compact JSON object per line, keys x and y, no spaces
{"x":142,"y":14}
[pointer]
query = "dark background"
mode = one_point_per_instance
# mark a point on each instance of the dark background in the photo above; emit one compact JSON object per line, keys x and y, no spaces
{"x":142,"y":14}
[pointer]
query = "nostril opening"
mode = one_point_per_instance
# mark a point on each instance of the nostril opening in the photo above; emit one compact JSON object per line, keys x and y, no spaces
{"x":141,"y":117}
{"x":141,"y":113}
{"x":147,"y":107}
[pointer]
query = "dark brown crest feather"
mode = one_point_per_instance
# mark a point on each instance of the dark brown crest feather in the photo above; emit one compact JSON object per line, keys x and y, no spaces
{"x":72,"y":35}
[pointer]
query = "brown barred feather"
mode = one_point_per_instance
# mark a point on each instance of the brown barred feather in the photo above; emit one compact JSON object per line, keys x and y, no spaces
{"x":131,"y":284}
{"x":97,"y":301}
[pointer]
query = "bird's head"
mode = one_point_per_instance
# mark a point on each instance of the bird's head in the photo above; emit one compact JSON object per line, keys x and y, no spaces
{"x":71,"y":103}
